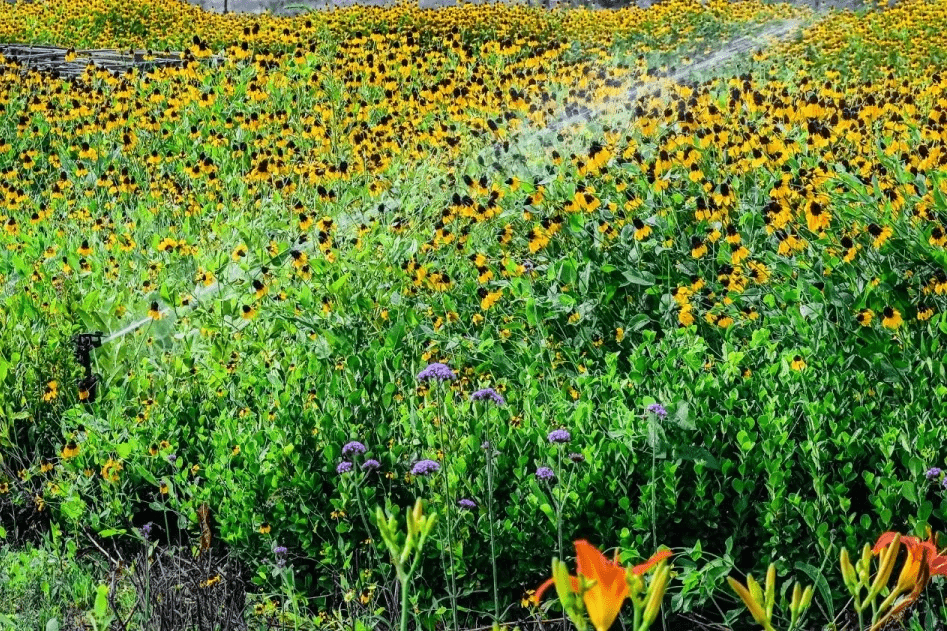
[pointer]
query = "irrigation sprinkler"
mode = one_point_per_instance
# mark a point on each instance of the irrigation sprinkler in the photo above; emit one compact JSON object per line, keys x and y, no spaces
{"x":85,"y":342}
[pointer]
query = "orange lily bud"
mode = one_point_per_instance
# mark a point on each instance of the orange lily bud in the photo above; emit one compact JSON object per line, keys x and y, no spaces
{"x":848,"y":573}
{"x":864,"y":565}
{"x":661,"y":578}
{"x":755,"y":609}
{"x":770,"y":590}
{"x":796,"y":598}
{"x":807,"y":597}
{"x":755,"y":589}
{"x":888,"y":556}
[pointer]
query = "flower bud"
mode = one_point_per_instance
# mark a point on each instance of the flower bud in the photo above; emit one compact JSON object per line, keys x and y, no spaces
{"x":656,"y":594}
{"x":796,"y":599}
{"x":755,"y":589}
{"x":755,"y":610}
{"x":806,"y":598}
{"x":770,"y":590}
{"x":848,"y":573}
{"x":888,"y":556}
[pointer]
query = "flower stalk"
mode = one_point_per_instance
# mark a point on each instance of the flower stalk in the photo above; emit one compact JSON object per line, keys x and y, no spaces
{"x":406,"y":552}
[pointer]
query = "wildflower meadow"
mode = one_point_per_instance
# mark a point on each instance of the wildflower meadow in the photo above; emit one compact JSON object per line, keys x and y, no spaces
{"x":491,"y":316}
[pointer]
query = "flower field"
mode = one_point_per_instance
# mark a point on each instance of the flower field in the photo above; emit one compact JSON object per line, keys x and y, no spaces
{"x":667,"y":283}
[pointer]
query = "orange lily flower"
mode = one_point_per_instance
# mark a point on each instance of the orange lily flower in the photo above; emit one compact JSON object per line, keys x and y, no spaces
{"x":915,"y":547}
{"x":603,"y":600}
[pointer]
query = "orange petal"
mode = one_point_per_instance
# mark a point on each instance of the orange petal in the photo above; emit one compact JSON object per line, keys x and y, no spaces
{"x":883,"y":541}
{"x":535,"y":598}
{"x":939,"y":566}
{"x":658,"y":556}
{"x":593,"y":565}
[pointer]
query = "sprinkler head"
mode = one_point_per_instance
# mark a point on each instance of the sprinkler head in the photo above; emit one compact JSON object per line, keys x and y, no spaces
{"x":85,"y":342}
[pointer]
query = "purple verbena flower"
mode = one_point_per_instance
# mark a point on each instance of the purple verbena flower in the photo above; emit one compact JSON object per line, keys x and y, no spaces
{"x":370,"y":465}
{"x":467,"y":504}
{"x":932,"y":473}
{"x":424,"y":467}
{"x":437,"y":371}
{"x":172,"y":458}
{"x":279,"y":550}
{"x":576,"y":457}
{"x":944,"y":483}
{"x":545,"y":474}
{"x":146,"y":531}
{"x":658,"y":410}
{"x":344,"y":467}
{"x":559,"y":436}
{"x":353,"y":447}
{"x":487,"y":394}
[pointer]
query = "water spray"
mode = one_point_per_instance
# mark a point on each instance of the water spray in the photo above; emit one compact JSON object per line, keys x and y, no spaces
{"x":729,"y":51}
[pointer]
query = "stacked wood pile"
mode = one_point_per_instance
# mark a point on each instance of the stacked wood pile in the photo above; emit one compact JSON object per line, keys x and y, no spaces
{"x":69,"y":63}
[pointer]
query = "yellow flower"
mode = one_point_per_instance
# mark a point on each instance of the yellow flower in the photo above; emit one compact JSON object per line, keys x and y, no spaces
{"x":798,"y":363}
{"x":111,"y":469}
{"x":619,"y":334}
{"x":51,"y":391}
{"x":891,"y":318}
{"x":864,"y":317}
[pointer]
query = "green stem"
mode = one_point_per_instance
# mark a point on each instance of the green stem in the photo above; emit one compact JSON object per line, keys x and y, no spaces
{"x":361,"y":512}
{"x":447,"y":511}
{"x":404,"y":604}
{"x":493,"y":554}
{"x":559,"y":503}
{"x":654,"y":482}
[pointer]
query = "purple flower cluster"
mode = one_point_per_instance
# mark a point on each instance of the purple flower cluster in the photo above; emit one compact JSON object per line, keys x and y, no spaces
{"x":467,"y":504}
{"x":576,"y":457}
{"x":437,"y":371}
{"x":352,"y":448}
{"x":370,"y":465}
{"x":559,"y":436}
{"x":280,"y":552}
{"x":425,"y":467}
{"x":172,"y":458}
{"x":932,"y":473}
{"x":545,"y":474}
{"x":487,"y":394}
{"x":658,"y":410}
{"x":344,"y":467}
{"x":146,"y":531}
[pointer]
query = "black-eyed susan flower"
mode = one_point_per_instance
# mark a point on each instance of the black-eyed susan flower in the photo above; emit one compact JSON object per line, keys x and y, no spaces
{"x":642,"y":230}
{"x":51,"y":391}
{"x":891,"y":318}
{"x":798,"y":363}
{"x":111,"y":469}
{"x":864,"y":317}
{"x":71,"y":450}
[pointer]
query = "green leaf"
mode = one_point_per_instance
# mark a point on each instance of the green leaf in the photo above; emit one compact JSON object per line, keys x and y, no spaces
{"x":815,"y":574}
{"x":639,"y":277}
{"x":111,"y":532}
{"x":125,"y":449}
{"x":101,"y":602}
